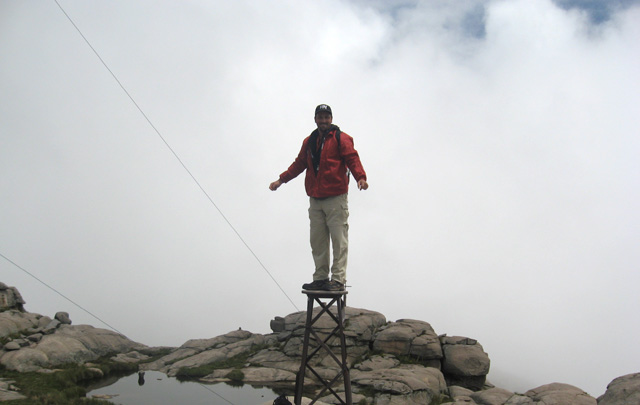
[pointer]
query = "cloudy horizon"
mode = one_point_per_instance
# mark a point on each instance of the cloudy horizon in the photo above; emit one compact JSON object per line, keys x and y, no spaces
{"x":500,"y":140}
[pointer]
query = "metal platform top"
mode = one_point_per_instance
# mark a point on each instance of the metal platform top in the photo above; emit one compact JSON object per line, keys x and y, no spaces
{"x":324,"y":294}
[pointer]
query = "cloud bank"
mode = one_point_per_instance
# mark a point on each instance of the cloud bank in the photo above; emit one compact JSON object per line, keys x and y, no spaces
{"x":500,"y":141}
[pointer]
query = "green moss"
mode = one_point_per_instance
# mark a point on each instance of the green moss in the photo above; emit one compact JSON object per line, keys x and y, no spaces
{"x":441,"y":399}
{"x":235,"y":375}
{"x":64,"y":386}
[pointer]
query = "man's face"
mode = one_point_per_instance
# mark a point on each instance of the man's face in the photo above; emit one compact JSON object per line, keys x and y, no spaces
{"x":323,"y":120}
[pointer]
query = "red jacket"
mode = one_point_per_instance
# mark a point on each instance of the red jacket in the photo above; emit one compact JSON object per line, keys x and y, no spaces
{"x":332,"y":178}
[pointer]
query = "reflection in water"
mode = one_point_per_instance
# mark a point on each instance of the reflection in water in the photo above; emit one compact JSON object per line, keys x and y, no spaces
{"x":153,"y":387}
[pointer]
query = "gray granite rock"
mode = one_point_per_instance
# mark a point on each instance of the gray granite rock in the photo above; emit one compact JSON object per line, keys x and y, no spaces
{"x":492,"y":396}
{"x":624,"y":390}
{"x":403,"y":380}
{"x":13,"y":321}
{"x":10,"y":298}
{"x":558,"y":394}
{"x":384,"y":361}
{"x":11,"y":346}
{"x":8,"y":391}
{"x":69,"y":344}
{"x":63,"y":318}
{"x":465,"y":363}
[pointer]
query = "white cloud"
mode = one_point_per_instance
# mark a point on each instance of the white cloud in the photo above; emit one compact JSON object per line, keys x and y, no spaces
{"x":503,"y":169}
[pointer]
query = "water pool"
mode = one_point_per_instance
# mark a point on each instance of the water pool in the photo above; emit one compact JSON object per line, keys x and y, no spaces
{"x":160,"y":389}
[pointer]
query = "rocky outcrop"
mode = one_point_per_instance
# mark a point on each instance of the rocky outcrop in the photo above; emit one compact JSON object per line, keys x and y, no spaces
{"x":401,"y":362}
{"x":623,"y":390}
{"x":34,"y":342}
{"x":10,"y":298}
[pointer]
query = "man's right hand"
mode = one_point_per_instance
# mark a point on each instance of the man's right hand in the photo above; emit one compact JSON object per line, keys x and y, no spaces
{"x":274,"y":186}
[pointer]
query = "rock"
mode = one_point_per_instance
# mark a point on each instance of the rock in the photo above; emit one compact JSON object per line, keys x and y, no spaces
{"x":409,"y":337}
{"x":69,"y":344}
{"x":403,"y":380}
{"x":359,"y":323}
{"x":219,"y":351}
{"x":253,"y":375}
{"x":131,"y":357}
{"x":623,"y":390}
{"x":394,"y":339}
{"x":7,"y":391}
{"x":518,"y":399}
{"x":272,"y":358}
{"x":10,"y":298}
{"x":162,"y":364}
{"x":94,"y":373}
{"x":51,"y":327}
{"x":378,"y":363}
{"x":557,"y":393}
{"x":465,"y":363}
{"x":13,"y":345}
{"x":36,"y":337}
{"x":492,"y":396}
{"x":63,"y":318}
{"x":14,"y":321}
{"x":457,"y":391}
{"x":277,"y":324}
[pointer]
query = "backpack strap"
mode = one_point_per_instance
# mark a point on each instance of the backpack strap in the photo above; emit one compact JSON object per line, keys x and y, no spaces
{"x":313,"y":145}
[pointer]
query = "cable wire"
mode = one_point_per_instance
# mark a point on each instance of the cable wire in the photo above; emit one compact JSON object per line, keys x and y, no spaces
{"x":212,"y":391}
{"x":184,"y":166}
{"x":59,"y":293}
{"x":93,"y":315}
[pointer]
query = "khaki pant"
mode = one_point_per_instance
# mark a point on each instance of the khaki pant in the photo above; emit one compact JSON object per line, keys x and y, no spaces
{"x":328,"y":218}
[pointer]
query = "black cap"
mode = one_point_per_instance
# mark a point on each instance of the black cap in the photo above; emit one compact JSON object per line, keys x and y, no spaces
{"x":323,"y":108}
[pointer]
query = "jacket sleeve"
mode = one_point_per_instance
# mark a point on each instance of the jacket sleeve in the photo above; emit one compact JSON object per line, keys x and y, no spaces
{"x":351,"y":157}
{"x":298,"y":165}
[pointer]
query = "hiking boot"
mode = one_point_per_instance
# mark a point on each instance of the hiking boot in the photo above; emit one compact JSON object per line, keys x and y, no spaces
{"x":333,"y":285}
{"x":315,"y":285}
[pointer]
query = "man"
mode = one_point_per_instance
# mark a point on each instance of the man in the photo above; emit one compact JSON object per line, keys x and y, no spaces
{"x":326,"y":155}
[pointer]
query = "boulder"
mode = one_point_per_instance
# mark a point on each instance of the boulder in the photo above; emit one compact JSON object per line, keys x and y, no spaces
{"x":63,"y":318}
{"x":36,"y":337}
{"x":465,"y":363}
{"x":409,"y":337}
{"x":7,"y":391}
{"x":405,"y":380}
{"x":10,"y":298}
{"x":277,"y":324}
{"x":51,"y":327}
{"x":11,"y":346}
{"x":558,"y":394}
{"x":14,"y":321}
{"x":492,"y":396}
{"x":70,"y":344}
{"x":218,"y":352}
{"x":623,"y":390}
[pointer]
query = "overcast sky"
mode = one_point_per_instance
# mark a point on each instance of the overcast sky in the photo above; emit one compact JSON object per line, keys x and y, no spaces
{"x":500,"y":138}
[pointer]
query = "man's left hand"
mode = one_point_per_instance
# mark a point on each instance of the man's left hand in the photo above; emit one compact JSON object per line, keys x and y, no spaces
{"x":362,"y":184}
